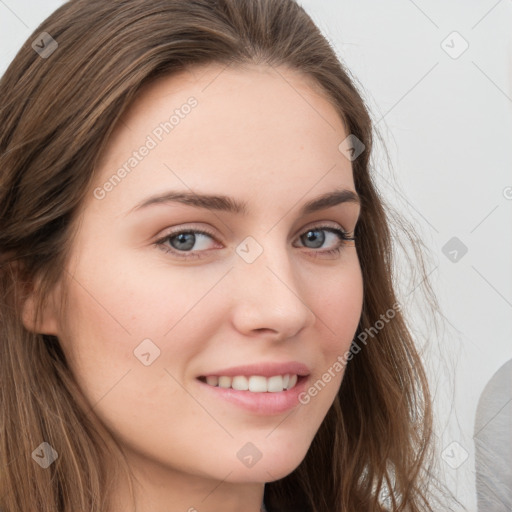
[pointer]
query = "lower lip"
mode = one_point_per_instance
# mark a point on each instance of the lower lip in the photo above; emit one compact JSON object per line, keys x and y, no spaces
{"x":261,"y":403}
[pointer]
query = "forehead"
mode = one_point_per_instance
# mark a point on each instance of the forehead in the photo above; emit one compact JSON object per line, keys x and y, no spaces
{"x":240,"y":94}
{"x":220,"y":126}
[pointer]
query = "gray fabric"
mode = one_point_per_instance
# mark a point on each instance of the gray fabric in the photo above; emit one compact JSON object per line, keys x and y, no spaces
{"x":493,"y":443}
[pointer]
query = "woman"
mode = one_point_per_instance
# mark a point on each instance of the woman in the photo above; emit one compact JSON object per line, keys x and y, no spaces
{"x":198,"y":306}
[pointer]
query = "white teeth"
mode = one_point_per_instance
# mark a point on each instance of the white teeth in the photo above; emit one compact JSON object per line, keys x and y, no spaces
{"x":224,"y":382}
{"x":258,"y":384}
{"x":254,"y":383}
{"x":275,"y":384}
{"x":212,"y":380}
{"x":240,"y":383}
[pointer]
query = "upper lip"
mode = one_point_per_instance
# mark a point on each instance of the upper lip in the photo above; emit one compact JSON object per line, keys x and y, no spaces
{"x":263,"y":369}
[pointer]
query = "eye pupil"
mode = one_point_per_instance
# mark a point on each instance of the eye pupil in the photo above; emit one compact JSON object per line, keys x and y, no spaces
{"x":312,"y":236}
{"x":182,"y":239}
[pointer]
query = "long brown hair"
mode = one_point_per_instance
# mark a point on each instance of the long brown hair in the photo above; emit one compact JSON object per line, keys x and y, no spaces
{"x":57,"y":113}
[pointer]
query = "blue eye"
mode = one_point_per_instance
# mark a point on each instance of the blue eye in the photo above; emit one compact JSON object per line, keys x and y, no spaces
{"x":181,"y":243}
{"x":312,"y":235}
{"x":192,"y":243}
{"x":186,"y":240}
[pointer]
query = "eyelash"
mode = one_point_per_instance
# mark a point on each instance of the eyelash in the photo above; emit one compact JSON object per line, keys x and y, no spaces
{"x":343,"y":236}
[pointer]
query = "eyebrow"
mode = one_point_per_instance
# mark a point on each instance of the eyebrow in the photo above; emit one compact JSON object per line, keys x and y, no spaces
{"x":229,"y":204}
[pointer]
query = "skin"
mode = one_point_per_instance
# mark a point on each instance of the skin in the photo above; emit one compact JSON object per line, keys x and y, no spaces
{"x":269,"y":138}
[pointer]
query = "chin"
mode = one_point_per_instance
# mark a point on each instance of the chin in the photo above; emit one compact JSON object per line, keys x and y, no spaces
{"x":268,"y":469}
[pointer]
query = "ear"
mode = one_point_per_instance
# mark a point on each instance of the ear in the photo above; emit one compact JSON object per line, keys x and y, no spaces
{"x":47,"y":323}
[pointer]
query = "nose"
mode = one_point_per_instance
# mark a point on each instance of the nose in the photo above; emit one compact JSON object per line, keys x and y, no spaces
{"x":268,"y":297}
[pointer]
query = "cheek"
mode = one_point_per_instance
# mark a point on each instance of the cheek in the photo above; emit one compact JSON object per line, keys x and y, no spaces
{"x":120,"y":310}
{"x":128,"y":296}
{"x":338,"y":305}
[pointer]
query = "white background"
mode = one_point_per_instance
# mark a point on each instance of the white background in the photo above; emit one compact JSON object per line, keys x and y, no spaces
{"x":447,"y":124}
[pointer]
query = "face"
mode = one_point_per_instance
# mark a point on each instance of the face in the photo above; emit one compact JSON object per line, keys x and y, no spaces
{"x":165,"y":292}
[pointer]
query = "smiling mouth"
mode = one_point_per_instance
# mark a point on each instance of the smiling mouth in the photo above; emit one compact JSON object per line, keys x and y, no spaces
{"x":254,"y":383}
